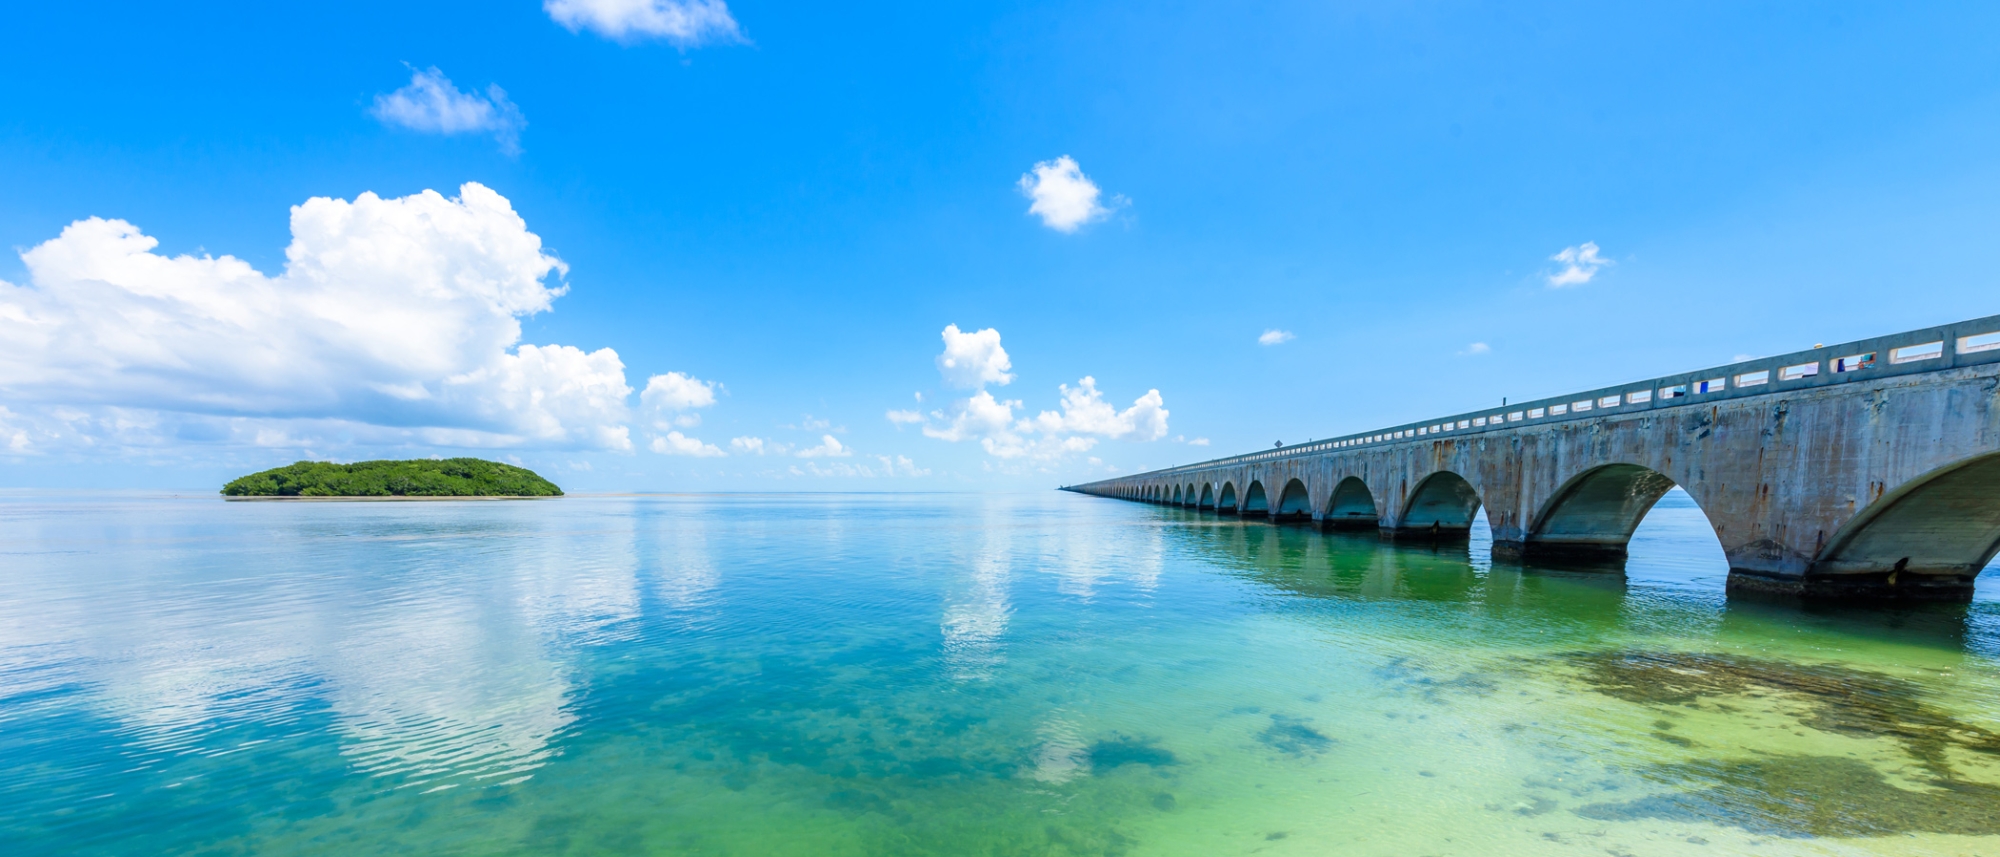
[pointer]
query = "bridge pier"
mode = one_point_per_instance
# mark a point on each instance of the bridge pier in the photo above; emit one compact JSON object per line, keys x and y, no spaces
{"x":1433,"y":533}
{"x":1877,"y":586}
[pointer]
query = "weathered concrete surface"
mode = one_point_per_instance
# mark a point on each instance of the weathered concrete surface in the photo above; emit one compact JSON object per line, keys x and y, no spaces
{"x":1888,"y":488}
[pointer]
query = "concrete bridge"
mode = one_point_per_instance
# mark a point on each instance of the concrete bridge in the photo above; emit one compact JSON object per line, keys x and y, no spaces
{"x":1867,"y":469}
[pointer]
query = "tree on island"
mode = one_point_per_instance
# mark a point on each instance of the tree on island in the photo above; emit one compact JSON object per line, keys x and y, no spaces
{"x":449,"y":477}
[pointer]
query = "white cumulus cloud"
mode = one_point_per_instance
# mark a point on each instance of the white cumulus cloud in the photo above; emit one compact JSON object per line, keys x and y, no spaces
{"x":1084,"y":411}
{"x":974,"y":359}
{"x":669,"y":400}
{"x":676,"y":391}
{"x":674,"y":443}
{"x":981,"y":416}
{"x":392,"y":318}
{"x":1084,"y":418}
{"x":1061,"y":195}
{"x":829,"y":447}
{"x":432,"y":105}
{"x":684,"y":23}
{"x":1275,"y":337}
{"x":1580,"y":264}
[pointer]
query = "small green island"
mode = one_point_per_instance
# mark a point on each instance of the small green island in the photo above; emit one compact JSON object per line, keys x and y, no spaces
{"x":447,"y":477}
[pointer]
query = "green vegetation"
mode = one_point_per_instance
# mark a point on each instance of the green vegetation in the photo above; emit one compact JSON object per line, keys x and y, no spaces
{"x":450,"y":477}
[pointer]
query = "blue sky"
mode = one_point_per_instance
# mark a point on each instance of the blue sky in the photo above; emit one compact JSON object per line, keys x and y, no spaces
{"x":785,"y":206}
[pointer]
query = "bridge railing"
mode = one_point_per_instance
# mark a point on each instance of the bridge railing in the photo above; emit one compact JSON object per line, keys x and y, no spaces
{"x":1966,"y":343}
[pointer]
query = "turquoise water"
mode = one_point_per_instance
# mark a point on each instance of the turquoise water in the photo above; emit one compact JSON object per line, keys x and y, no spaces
{"x":1042,"y":674}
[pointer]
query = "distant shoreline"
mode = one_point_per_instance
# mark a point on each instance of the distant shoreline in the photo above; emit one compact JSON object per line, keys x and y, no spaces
{"x":380,"y":499}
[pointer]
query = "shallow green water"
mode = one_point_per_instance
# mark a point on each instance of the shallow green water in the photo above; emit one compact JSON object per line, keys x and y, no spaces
{"x":934,"y":674}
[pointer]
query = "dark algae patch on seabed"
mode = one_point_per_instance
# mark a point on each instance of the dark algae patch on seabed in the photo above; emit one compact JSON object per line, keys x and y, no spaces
{"x":1803,"y":795}
{"x":448,"y":477}
{"x":1119,"y":750}
{"x":1810,"y":796}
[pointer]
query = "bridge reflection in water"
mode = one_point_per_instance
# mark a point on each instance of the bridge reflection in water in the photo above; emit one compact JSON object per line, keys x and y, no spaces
{"x":1866,"y":470}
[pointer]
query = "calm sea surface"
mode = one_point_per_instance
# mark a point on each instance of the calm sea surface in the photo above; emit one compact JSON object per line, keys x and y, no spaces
{"x":1042,"y":674}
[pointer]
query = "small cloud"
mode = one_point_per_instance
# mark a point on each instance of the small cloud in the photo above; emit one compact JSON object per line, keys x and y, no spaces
{"x":683,"y":23}
{"x":432,"y":105}
{"x":973,"y":360}
{"x":1200,"y":441}
{"x":808,"y":422}
{"x":676,"y":391}
{"x":758,"y":446}
{"x":1475,"y":349}
{"x":904,"y":418}
{"x":839,"y":468}
{"x":1275,"y":336}
{"x":1580,"y":263}
{"x":674,"y":443}
{"x":901,"y":466}
{"x":1063,"y":197}
{"x":669,"y":400}
{"x":829,"y":447}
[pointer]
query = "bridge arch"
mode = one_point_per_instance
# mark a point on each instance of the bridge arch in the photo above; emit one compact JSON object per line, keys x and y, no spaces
{"x":1225,"y":503}
{"x":1929,"y":536}
{"x":1443,"y":506}
{"x":1191,"y":494}
{"x":1592,"y":516}
{"x":1207,"y":500}
{"x":1352,"y":506}
{"x":1294,"y":503}
{"x":1255,"y":502}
